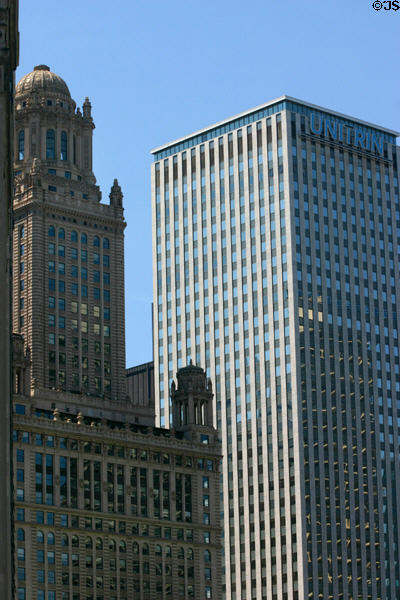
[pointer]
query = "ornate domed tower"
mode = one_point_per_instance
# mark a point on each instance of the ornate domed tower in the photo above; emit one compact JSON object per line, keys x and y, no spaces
{"x":49,"y":128}
{"x":68,"y":281}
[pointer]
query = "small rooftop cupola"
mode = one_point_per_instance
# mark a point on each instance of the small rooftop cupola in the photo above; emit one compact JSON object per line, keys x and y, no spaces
{"x":116,"y":194}
{"x":192,"y":399}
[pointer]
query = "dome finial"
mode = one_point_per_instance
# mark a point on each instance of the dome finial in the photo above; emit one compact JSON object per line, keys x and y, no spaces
{"x":41,"y":68}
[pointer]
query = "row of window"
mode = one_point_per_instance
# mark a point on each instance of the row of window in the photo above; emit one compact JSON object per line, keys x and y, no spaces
{"x":50,"y":441}
{"x":97,"y":524}
{"x":74,"y":270}
{"x":50,"y":145}
{"x":113,"y":546}
{"x":74,"y":237}
{"x":73,"y":252}
{"x":75,"y":288}
{"x":75,"y":326}
{"x":75,"y":306}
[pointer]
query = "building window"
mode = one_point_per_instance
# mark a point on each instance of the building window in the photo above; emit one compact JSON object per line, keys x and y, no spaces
{"x":50,"y":144}
{"x":21,"y":145}
{"x":106,"y":243}
{"x":64,"y":146}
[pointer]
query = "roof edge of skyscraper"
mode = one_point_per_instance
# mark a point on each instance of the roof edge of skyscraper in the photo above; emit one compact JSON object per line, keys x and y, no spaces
{"x":270,"y":103}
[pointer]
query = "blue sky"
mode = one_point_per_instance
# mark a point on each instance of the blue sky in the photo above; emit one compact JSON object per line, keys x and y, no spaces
{"x":155,"y":71}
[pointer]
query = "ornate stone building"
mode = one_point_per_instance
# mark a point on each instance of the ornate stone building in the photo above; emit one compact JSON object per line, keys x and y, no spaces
{"x":107,"y":506}
{"x":110,"y":510}
{"x":68,"y":284}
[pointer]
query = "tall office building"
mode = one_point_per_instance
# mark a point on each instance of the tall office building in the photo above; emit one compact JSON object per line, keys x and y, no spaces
{"x":68,"y":282}
{"x":276,"y":257}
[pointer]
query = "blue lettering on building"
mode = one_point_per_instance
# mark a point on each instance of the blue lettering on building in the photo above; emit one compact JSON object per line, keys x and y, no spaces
{"x":352,"y":136}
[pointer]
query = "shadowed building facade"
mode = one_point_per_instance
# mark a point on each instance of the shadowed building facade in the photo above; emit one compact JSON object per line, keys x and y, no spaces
{"x":9,"y":55}
{"x":276,"y":256}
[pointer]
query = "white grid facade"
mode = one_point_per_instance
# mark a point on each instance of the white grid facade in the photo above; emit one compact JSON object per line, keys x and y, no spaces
{"x":261,"y":231}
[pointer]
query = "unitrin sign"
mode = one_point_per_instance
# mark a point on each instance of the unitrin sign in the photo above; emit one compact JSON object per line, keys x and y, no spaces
{"x":353,"y":136}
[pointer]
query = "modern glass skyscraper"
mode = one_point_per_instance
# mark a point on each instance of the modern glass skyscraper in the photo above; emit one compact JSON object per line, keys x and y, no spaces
{"x":276,"y":267}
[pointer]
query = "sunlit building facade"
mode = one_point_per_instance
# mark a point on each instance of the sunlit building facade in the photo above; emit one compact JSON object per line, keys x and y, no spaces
{"x":276,"y":240}
{"x":68,"y":251}
{"x":106,"y":505}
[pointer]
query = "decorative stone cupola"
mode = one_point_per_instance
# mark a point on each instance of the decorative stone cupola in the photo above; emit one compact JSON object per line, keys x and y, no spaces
{"x":49,"y":127}
{"x":192,"y":399}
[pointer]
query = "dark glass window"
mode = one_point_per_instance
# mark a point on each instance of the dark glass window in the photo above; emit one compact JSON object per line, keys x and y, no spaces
{"x":21,"y":145}
{"x":50,"y":144}
{"x":64,"y":146}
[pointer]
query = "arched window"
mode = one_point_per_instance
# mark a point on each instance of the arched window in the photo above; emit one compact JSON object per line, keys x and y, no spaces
{"x":64,"y":540}
{"x":207,"y":556}
{"x":96,"y":241}
{"x":89,"y":543}
{"x":181,"y":552}
{"x":20,"y":535}
{"x":99,"y":544}
{"x":122,"y":546}
{"x":52,"y":231}
{"x":75,"y":541}
{"x":50,"y":144}
{"x":50,"y":538}
{"x":64,"y":146}
{"x":106,"y":243}
{"x":135,"y":548}
{"x":39,"y":537}
{"x":111,"y":545}
{"x":168,"y":551}
{"x":21,"y":145}
{"x":61,"y":234}
{"x":190,"y":554}
{"x":157,"y":550}
{"x":83,"y":239}
{"x":145,"y":549}
{"x":74,"y":236}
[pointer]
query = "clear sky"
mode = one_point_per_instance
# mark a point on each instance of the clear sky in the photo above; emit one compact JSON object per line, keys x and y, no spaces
{"x":158,"y":70}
